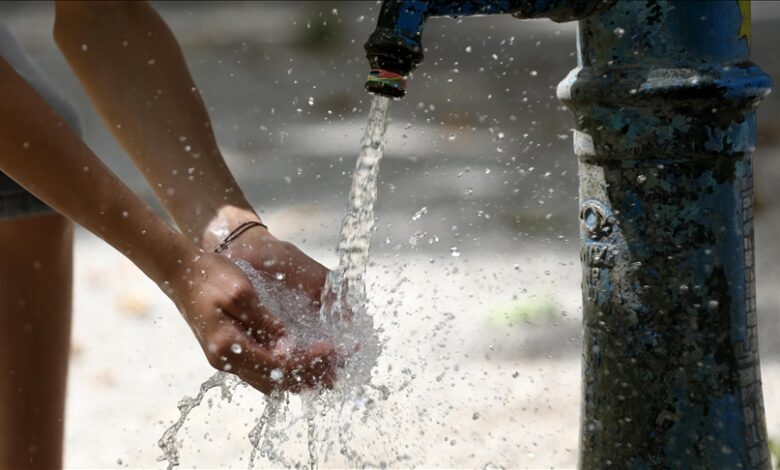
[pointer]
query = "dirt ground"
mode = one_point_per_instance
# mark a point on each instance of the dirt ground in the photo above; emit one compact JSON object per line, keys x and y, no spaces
{"x":483,"y":392}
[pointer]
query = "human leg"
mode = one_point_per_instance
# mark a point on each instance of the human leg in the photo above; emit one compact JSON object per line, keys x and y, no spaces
{"x":35,"y":317}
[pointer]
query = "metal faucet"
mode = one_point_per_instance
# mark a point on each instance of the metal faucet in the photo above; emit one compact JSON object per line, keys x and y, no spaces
{"x":664,"y":99}
{"x":395,"y":49}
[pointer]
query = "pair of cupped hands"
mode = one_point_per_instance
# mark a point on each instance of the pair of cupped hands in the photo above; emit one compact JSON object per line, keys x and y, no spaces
{"x":237,"y":333}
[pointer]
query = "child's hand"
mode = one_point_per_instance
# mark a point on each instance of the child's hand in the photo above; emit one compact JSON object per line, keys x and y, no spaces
{"x":237,"y":334}
{"x":267,"y":254}
{"x":280,"y":260}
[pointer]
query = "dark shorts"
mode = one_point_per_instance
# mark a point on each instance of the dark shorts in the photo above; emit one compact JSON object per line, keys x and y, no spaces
{"x":15,"y":201}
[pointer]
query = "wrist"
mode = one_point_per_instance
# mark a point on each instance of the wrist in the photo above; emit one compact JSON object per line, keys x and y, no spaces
{"x":178,"y":256}
{"x":226,"y":220}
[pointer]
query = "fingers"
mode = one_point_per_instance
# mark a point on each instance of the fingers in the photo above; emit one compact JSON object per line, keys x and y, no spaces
{"x":244,"y":306}
{"x":244,"y":338}
{"x":335,"y":303}
{"x":267,"y":369}
{"x":311,"y":367}
{"x":232,"y":351}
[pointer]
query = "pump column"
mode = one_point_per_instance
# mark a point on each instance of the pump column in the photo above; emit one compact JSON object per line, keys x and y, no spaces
{"x":664,"y":99}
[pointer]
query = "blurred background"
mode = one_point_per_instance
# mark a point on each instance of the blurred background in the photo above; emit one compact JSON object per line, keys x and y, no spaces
{"x":475,"y":273}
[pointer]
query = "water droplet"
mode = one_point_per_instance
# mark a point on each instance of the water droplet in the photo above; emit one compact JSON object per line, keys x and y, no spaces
{"x":236,"y":348}
{"x":276,"y":375}
{"x":84,"y":47}
{"x":454,"y":251}
{"x":423,"y":210}
{"x":619,"y":32}
{"x":641,"y":179}
{"x":468,"y":49}
{"x":492,"y":466}
{"x":311,"y":101}
{"x":279,"y":276}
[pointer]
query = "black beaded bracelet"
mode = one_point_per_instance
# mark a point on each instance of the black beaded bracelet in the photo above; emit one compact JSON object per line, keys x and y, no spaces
{"x":237,"y":233}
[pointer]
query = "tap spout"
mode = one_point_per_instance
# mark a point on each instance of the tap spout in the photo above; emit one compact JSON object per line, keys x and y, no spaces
{"x":395,"y":48}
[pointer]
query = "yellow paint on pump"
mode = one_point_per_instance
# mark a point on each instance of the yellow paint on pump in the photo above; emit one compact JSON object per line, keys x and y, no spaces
{"x":744,"y":28}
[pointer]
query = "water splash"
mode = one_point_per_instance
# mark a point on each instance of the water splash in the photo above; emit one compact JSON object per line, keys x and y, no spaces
{"x":342,"y":321}
{"x":226,"y":382}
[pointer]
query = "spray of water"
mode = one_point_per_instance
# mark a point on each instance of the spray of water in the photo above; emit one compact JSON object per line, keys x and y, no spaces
{"x":343,"y":321}
{"x":346,"y":285}
{"x":167,"y":442}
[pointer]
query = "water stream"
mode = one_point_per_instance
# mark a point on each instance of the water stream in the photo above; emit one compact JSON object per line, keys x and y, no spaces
{"x":343,"y":320}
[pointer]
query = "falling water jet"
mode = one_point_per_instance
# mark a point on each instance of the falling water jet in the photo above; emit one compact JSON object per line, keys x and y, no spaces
{"x":346,"y":285}
{"x":343,"y":321}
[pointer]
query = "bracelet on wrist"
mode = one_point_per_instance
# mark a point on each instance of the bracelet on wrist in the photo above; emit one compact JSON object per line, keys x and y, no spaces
{"x":236,"y":232}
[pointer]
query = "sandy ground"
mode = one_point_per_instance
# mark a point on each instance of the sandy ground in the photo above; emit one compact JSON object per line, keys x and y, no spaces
{"x":483,"y":392}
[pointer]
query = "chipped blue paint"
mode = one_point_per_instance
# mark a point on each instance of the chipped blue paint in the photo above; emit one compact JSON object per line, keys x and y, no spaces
{"x":664,"y":99}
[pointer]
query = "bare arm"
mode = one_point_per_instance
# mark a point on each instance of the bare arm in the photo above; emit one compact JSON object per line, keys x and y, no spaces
{"x":39,"y":151}
{"x":134,"y":71}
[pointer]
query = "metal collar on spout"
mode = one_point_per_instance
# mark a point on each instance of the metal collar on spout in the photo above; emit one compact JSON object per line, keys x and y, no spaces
{"x":395,"y":48}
